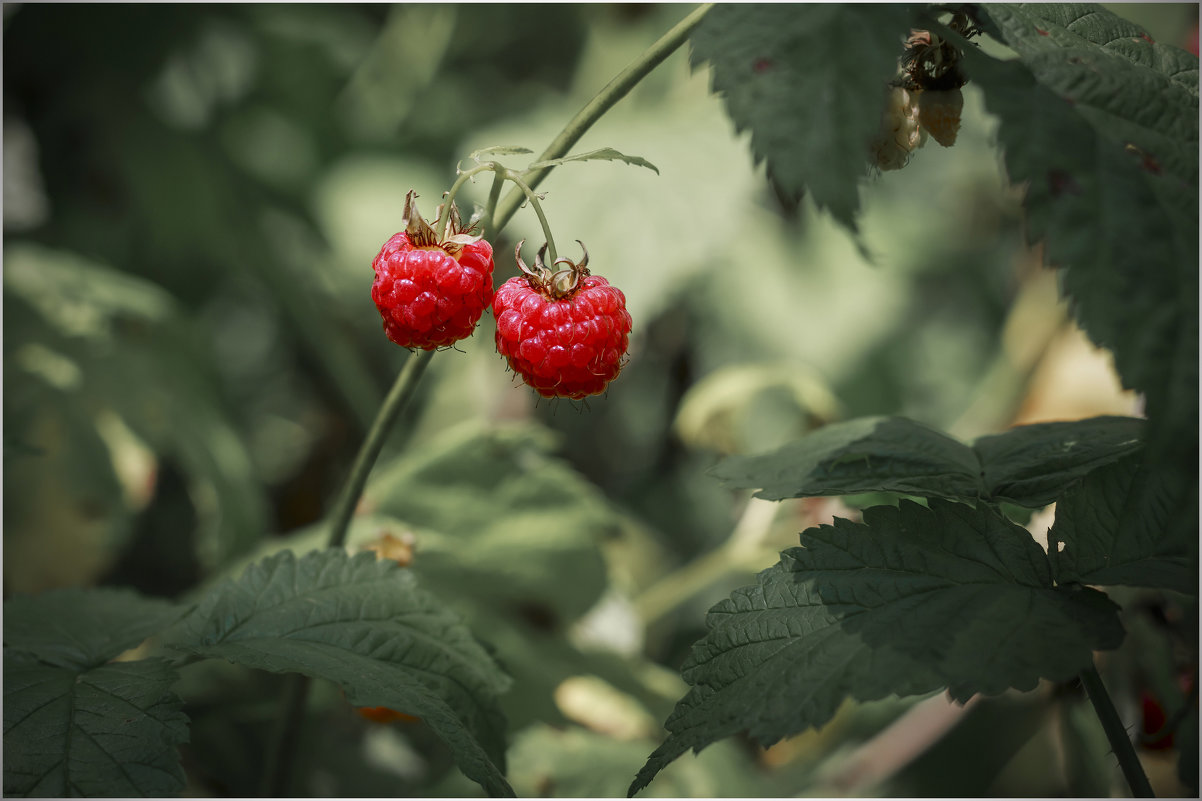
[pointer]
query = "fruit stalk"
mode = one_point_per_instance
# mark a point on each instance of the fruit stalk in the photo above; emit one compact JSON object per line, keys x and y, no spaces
{"x":1116,"y":733}
{"x":613,"y":91}
{"x":538,"y":210}
{"x":402,"y":390}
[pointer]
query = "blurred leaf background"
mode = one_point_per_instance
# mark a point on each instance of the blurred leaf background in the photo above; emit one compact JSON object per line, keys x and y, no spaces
{"x":192,"y":198}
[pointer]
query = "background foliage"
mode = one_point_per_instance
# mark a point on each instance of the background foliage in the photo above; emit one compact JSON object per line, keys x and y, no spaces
{"x":192,"y":199}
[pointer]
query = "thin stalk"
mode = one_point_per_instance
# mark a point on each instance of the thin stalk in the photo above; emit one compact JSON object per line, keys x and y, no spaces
{"x":538,"y":210}
{"x":285,"y":737}
{"x":613,"y":91}
{"x":1129,"y":762}
{"x":402,"y":390}
{"x":490,"y":208}
{"x":449,"y":200}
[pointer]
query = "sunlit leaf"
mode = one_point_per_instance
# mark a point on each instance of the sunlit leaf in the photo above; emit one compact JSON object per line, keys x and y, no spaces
{"x":603,"y":154}
{"x":498,"y":150}
{"x":910,"y":601}
{"x":363,"y":624}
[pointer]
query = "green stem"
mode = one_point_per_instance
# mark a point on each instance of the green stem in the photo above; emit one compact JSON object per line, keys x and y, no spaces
{"x":538,"y":209}
{"x":1133,"y":771}
{"x":284,"y":740}
{"x":449,"y":200}
{"x":494,"y":195}
{"x":614,"y":91}
{"x":402,"y":390}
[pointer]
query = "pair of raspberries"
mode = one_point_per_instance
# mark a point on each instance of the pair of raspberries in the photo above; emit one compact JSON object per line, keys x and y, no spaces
{"x":565,"y":333}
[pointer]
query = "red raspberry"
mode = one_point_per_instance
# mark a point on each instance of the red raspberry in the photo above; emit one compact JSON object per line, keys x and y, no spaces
{"x":431,"y":290}
{"x":565,"y":333}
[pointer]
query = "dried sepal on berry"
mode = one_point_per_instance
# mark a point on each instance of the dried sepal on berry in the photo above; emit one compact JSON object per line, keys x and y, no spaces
{"x":565,"y":332}
{"x":433,"y":282}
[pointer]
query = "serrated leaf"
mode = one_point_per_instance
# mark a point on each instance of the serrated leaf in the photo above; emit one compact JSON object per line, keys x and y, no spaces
{"x":507,"y":524}
{"x":1132,"y":523}
{"x":910,"y":601}
{"x":603,"y":154}
{"x":82,"y":628}
{"x":1032,"y":465}
{"x":867,"y":454}
{"x":363,"y":624}
{"x":1120,"y":221}
{"x":112,"y":730}
{"x":807,"y":80}
{"x":1129,"y":87}
{"x":499,"y":150}
{"x":1027,"y":465}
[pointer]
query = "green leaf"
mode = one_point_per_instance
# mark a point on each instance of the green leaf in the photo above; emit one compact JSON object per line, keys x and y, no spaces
{"x":112,"y":730}
{"x":1032,"y":465}
{"x":1027,"y":465}
{"x":498,"y":150}
{"x":82,"y":628}
{"x":1132,"y":523}
{"x":363,"y":624}
{"x":910,"y":601}
{"x":808,"y":80}
{"x":507,"y":525}
{"x":867,"y":454}
{"x":1122,"y":222}
{"x":1130,"y":88}
{"x":605,"y":153}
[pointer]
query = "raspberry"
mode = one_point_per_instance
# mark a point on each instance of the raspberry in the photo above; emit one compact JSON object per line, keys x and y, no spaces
{"x":899,"y":133}
{"x":565,"y":333}
{"x":432,"y":290}
{"x":939,"y":114}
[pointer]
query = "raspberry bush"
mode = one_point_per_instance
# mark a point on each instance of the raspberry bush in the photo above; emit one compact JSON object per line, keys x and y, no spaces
{"x":916,"y":423}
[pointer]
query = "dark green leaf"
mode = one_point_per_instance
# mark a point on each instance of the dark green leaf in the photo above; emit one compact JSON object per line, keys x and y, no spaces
{"x":1130,"y":88}
{"x":507,"y":524}
{"x":912,"y":600}
{"x":868,"y":454}
{"x":363,"y":624}
{"x":112,"y":730}
{"x":1027,"y":465}
{"x":82,"y":628}
{"x":604,"y":154}
{"x":808,"y":80}
{"x":1121,"y":221}
{"x":1131,"y":523}
{"x":1032,"y":465}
